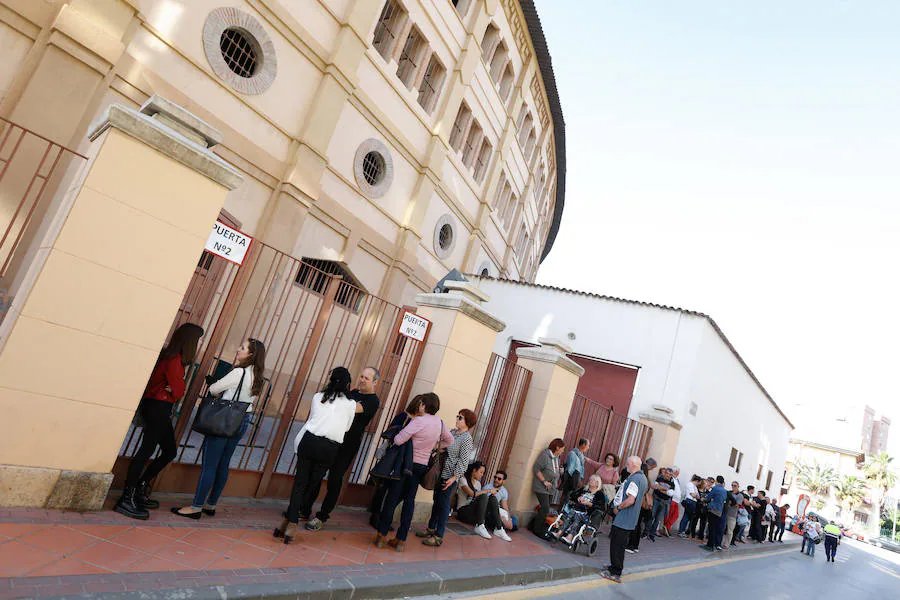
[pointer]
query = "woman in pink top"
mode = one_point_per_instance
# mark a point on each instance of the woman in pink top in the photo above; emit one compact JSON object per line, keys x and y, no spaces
{"x":609,"y":475}
{"x":424,"y":432}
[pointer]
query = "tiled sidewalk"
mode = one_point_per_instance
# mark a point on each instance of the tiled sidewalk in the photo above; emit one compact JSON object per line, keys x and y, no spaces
{"x":53,"y":553}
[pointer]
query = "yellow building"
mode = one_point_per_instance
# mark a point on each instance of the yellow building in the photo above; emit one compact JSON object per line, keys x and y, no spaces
{"x":366,"y":146}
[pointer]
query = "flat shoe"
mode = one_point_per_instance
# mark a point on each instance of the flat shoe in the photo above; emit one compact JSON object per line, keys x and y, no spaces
{"x":196,"y":516}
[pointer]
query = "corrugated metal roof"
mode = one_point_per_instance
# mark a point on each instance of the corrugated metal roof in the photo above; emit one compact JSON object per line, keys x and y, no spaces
{"x":542,"y":54}
{"x":694,"y":313}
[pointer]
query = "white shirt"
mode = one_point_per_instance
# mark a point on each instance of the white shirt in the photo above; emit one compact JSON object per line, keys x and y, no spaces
{"x":675,"y":492}
{"x":227,"y":386}
{"x":329,"y":420}
{"x":632,"y":490}
{"x":691,"y":491}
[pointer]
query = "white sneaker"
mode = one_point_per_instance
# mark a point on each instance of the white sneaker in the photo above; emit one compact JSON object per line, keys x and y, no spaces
{"x":501,"y":533}
{"x":482,"y":531}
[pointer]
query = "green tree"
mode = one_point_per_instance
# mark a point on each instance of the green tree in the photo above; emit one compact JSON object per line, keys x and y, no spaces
{"x":879,"y":474}
{"x":816,"y":478}
{"x":849,"y":491}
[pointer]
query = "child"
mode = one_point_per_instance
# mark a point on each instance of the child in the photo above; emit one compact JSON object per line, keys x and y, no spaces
{"x":743,"y":520}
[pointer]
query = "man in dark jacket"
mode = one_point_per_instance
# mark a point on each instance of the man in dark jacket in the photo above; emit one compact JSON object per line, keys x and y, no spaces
{"x":367,"y":405}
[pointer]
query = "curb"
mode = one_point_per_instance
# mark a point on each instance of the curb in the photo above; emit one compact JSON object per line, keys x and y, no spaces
{"x":423,"y":583}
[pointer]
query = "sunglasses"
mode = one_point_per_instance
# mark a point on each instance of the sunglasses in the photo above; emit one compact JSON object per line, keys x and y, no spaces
{"x":498,"y":478}
{"x":459,"y":417}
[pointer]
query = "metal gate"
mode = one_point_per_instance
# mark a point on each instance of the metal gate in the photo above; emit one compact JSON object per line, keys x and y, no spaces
{"x":606,"y":430}
{"x":310,"y":321}
{"x":498,"y":411}
{"x":31,"y":167}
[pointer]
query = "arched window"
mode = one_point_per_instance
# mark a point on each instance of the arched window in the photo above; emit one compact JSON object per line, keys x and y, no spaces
{"x":498,"y":62}
{"x":526,"y":129}
{"x":529,"y":144}
{"x":489,"y":42}
{"x":506,"y":82}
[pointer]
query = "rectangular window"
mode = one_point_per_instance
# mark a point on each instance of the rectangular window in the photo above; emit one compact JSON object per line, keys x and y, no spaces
{"x":509,"y":211}
{"x":759,"y":472}
{"x":473,"y":142}
{"x":481,"y":163}
{"x":733,"y":460}
{"x":462,"y":6}
{"x":740,"y":460}
{"x":460,"y":126}
{"x":431,"y":84}
{"x":387,"y":29}
{"x":410,"y":57}
{"x":769,"y":481}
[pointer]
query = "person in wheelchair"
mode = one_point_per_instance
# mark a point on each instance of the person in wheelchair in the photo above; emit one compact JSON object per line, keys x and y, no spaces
{"x":580,"y":518}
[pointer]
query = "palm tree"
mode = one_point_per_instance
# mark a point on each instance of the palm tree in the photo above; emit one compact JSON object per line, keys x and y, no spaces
{"x":849,"y":491}
{"x":879,"y":474}
{"x":816,"y":478}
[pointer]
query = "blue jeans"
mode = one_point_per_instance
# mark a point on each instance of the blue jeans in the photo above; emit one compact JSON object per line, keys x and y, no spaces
{"x":739,"y":534}
{"x":810,"y":545}
{"x":404,"y":491}
{"x":440,"y":510}
{"x":690,"y":506}
{"x":217,"y":453}
{"x":660,"y":510}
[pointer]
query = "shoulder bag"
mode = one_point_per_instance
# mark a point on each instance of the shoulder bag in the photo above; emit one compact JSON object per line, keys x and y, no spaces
{"x":435,"y":464}
{"x":219,"y":417}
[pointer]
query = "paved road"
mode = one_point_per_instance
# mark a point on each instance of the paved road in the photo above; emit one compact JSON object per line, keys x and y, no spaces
{"x":861,"y":572}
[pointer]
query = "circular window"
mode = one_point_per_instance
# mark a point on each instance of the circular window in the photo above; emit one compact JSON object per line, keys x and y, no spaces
{"x":444,"y":236}
{"x":373,"y":168}
{"x":239,"y":50}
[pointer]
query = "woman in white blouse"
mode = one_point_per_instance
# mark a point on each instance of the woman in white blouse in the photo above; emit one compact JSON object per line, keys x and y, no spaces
{"x":243,"y":383}
{"x":330,"y":417}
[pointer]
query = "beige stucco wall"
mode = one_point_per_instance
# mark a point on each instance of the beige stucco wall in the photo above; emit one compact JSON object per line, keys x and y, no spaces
{"x":341,"y":92}
{"x":544,"y":417}
{"x":78,"y":357}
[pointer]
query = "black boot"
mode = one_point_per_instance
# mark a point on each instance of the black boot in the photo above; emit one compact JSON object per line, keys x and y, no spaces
{"x":128,"y":506}
{"x":142,"y":497}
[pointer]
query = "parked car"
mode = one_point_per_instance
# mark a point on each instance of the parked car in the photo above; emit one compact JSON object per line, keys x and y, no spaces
{"x":848,"y":532}
{"x":886,"y":543}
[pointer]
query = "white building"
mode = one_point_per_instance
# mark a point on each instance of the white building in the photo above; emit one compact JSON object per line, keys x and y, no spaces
{"x":688,"y":373}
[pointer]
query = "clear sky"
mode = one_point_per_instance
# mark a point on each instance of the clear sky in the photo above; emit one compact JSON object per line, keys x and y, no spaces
{"x":742,"y":159}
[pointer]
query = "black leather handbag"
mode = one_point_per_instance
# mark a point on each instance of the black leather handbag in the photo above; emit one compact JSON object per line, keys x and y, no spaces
{"x":220,"y":417}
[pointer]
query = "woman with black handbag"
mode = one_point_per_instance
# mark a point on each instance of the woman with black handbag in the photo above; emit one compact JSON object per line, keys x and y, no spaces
{"x":427,"y":432}
{"x":165,"y":387}
{"x":396,"y":460}
{"x":239,"y":388}
{"x":330,"y":417}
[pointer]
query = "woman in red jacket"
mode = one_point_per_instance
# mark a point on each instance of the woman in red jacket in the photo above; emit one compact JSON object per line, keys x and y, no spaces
{"x":165,"y":387}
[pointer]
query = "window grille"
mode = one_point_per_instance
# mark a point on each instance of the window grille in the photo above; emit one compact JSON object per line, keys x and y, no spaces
{"x":431,"y":84}
{"x":239,"y":52}
{"x":386,"y":29}
{"x":445,"y":237}
{"x":315,"y":273}
{"x":463,"y":117}
{"x":481,"y":163}
{"x":408,"y":63}
{"x":373,"y":168}
{"x":471,"y":147}
{"x":733,"y":460}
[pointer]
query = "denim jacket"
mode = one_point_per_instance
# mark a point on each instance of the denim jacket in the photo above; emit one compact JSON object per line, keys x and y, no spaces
{"x":715,"y":500}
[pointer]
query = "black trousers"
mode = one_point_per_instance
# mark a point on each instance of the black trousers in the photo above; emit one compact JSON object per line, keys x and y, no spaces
{"x":714,"y":531}
{"x":701,"y":524}
{"x":539,"y":527}
{"x":158,"y":431}
{"x":342,"y":462}
{"x":765,"y":529}
{"x":484,"y":510}
{"x":634,"y":537}
{"x":618,"y":539}
{"x":315,"y":455}
{"x":831,"y":544}
{"x":756,"y":528}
